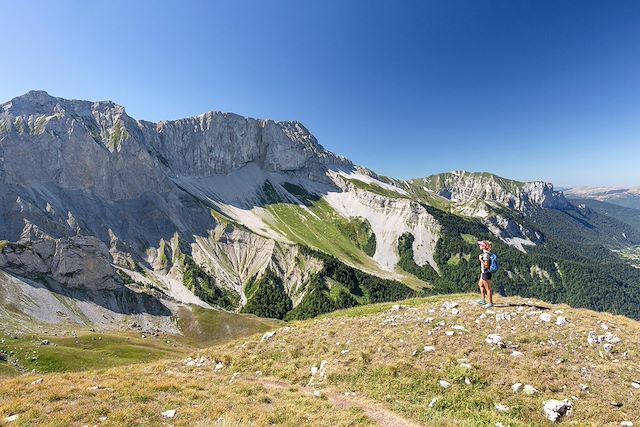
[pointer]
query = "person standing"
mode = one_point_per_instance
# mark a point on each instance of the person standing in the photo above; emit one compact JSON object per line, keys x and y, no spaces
{"x":485,"y":284}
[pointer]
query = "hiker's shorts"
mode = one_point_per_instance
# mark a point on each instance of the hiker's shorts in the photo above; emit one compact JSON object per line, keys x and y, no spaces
{"x":485,"y":276}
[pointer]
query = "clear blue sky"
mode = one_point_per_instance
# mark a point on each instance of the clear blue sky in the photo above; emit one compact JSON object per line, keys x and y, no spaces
{"x":525,"y":89}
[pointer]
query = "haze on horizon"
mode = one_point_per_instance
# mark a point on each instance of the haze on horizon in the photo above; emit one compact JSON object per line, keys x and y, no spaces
{"x":527,"y":90}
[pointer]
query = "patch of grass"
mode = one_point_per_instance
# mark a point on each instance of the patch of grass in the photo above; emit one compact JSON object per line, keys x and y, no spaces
{"x":204,"y":327}
{"x":469,"y":238}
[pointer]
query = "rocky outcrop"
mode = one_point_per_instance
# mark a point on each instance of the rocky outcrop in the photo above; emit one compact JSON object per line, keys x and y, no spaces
{"x":76,"y":262}
{"x":461,"y":186}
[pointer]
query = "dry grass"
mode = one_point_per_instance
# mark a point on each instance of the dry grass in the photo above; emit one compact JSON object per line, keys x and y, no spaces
{"x":369,"y":352}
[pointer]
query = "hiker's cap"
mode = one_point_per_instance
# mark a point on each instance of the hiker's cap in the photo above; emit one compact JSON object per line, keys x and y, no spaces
{"x":484,"y":244}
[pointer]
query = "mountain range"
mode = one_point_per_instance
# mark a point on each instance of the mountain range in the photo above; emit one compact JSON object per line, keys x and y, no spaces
{"x":105,"y":219}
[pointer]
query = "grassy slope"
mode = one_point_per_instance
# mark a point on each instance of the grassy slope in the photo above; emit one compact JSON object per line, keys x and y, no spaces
{"x":100,"y":350}
{"x":380,"y":364}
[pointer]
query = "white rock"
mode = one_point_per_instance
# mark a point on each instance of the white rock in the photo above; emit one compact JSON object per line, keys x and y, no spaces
{"x":428,"y":320}
{"x":501,"y":408}
{"x":267,"y":336}
{"x":455,"y":311}
{"x":503,"y":317}
{"x":428,"y":349}
{"x":556,"y":409}
{"x":169,"y":414}
{"x":593,"y":338}
{"x":584,"y":387}
{"x":607,"y":347}
{"x":494,"y":339}
{"x":635,"y":384}
{"x":604,"y":326}
{"x":516,"y":387}
{"x":626,"y":423}
{"x":448,"y":305}
{"x":433,"y":402}
{"x":11,"y":418}
{"x":459,"y":328}
{"x":38,"y":381}
{"x":449,"y":333}
{"x":529,"y":389}
{"x":444,"y":384}
{"x":317,"y":393}
{"x":467,"y":381}
{"x":219,"y":366}
{"x":396,"y":307}
{"x":545,"y":317}
{"x":561,"y":321}
{"x":610,"y":338}
{"x":516,"y":353}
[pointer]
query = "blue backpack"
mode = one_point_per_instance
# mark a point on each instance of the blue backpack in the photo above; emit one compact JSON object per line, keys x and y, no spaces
{"x":493,"y":265}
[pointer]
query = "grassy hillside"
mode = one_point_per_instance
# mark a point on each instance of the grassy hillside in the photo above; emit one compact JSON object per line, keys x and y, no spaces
{"x":383,"y":365}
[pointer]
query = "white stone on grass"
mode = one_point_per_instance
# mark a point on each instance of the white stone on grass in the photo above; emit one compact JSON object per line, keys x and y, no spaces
{"x":428,"y":349}
{"x":11,"y":418}
{"x":545,"y":317}
{"x":444,"y":384}
{"x":169,"y":414}
{"x":500,"y":407}
{"x":556,"y":409}
{"x":516,"y":353}
{"x":267,"y":336}
{"x":494,"y":339}
{"x":529,"y":389}
{"x":433,"y":402}
{"x":516,"y":387}
{"x":561,"y":321}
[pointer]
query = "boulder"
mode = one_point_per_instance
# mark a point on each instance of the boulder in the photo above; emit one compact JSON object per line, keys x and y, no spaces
{"x":267,"y":336}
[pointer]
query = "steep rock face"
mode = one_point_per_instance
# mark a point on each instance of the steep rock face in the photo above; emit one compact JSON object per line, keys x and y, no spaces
{"x":460,"y":186}
{"x":234,"y":256}
{"x":77,"y":262}
{"x":389,"y":218}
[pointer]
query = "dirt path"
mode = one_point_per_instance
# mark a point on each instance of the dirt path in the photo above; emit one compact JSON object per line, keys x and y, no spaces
{"x":374,"y":410}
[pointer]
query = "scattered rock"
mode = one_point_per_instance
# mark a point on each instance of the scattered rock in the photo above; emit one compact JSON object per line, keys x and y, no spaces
{"x":396,"y":307}
{"x":428,"y":320}
{"x":516,"y":353}
{"x":593,"y":338}
{"x":501,"y":408}
{"x":516,"y":387}
{"x":466,"y":365}
{"x":219,"y":366}
{"x":584,"y":387}
{"x":494,"y":339}
{"x":444,"y":384}
{"x":635,"y":384}
{"x":449,"y":333}
{"x":610,"y":338}
{"x":169,"y":414}
{"x":529,"y":389}
{"x":267,"y":336}
{"x":626,"y":424}
{"x":556,"y":409}
{"x":44,"y":342}
{"x":561,"y":321}
{"x":455,"y":311}
{"x":38,"y":381}
{"x":433,"y":402}
{"x":545,"y":317}
{"x":503,"y":317}
{"x":448,"y":305}
{"x":607,"y":347}
{"x":428,"y":349}
{"x":11,"y":418}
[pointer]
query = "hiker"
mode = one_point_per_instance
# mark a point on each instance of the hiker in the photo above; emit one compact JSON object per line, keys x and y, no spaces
{"x":486,"y":292}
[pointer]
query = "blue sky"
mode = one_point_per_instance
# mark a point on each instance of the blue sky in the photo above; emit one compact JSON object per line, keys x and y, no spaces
{"x":525,"y":89}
